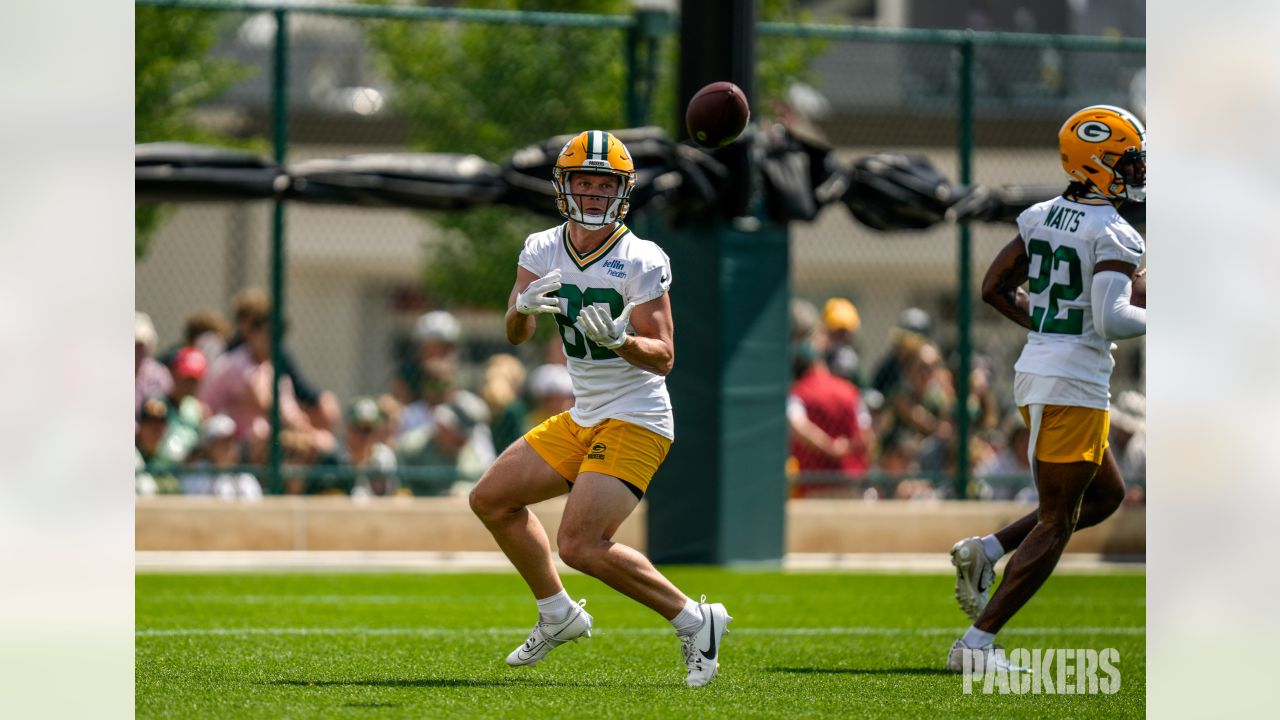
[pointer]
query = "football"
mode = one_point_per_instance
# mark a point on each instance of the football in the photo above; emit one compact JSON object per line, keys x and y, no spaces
{"x":717,"y":115}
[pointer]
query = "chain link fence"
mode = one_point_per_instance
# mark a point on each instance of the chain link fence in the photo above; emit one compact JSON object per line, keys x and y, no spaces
{"x":392,"y":397}
{"x":902,"y":344}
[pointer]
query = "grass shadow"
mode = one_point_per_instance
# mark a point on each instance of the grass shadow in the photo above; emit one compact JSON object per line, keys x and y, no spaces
{"x":860,"y":671}
{"x":456,"y":683}
{"x":391,"y":683}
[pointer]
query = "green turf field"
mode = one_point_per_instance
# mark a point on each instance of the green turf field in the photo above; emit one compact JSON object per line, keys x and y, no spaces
{"x":432,"y":645}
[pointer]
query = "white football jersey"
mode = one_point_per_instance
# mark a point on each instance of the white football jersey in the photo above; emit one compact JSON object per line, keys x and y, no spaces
{"x":1065,"y":239}
{"x":625,"y":269}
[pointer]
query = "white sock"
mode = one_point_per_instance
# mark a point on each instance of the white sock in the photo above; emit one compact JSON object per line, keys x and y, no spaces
{"x":992,"y":548}
{"x":555,"y":608}
{"x":975,"y":638}
{"x":689,"y":619}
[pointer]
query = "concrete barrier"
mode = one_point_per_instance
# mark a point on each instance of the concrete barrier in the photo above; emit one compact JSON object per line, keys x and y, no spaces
{"x":447,"y":524}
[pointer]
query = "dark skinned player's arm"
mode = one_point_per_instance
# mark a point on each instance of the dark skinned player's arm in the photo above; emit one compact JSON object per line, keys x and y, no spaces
{"x":1120,"y":266}
{"x":1002,"y":286}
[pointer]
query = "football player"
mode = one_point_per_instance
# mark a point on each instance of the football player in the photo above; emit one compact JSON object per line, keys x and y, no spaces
{"x":1078,"y":257}
{"x":607,"y":291}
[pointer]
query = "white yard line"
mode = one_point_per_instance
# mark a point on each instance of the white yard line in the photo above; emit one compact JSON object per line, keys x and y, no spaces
{"x":419,"y":561}
{"x":765,"y":631}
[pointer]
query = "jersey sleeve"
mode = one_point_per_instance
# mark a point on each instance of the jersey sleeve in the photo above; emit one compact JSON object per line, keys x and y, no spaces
{"x":534,"y":256}
{"x":1029,"y":220}
{"x":1117,"y":240}
{"x":653,"y":280}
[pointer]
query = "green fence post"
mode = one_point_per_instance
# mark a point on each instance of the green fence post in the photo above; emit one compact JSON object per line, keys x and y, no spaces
{"x":631,"y":93}
{"x":964,"y":306}
{"x":720,"y":496}
{"x":642,"y":62}
{"x":280,"y":139}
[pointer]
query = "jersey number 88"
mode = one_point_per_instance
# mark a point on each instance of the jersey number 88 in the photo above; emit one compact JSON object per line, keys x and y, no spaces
{"x":575,"y":344}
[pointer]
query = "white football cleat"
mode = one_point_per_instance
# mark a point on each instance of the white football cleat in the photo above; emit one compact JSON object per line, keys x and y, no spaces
{"x":974,"y":576}
{"x":702,"y":647}
{"x":987,"y":658}
{"x":549,"y":636}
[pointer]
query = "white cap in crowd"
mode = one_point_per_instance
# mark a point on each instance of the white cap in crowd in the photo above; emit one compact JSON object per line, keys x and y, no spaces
{"x":1129,"y":411}
{"x":550,"y":380}
{"x":437,"y":325}
{"x":217,"y":427}
{"x":144,"y":331}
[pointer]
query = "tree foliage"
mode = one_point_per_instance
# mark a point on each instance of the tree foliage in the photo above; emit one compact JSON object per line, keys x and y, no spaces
{"x":173,"y":74}
{"x":490,"y":89}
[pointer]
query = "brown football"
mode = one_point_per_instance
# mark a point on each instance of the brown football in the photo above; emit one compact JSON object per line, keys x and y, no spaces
{"x":1138,"y":296}
{"x":717,"y":115}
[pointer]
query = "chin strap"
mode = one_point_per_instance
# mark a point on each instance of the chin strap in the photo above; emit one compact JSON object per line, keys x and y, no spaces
{"x":604,"y":222}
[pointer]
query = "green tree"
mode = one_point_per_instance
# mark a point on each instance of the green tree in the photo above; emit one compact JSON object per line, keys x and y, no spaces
{"x":780,"y":61}
{"x":490,"y":89}
{"x":173,"y":74}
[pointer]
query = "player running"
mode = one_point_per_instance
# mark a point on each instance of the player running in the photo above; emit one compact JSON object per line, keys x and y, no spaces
{"x":597,"y":280}
{"x":1079,"y":258}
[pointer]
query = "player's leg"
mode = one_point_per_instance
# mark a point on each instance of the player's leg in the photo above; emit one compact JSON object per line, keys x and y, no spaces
{"x":974,"y":558}
{"x":517,"y":479}
{"x":1104,"y":495}
{"x":1067,"y":445}
{"x":1062,"y":487}
{"x":596,"y":508}
{"x":1101,"y":499}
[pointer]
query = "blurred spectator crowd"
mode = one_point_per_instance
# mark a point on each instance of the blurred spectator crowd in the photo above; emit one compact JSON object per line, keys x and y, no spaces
{"x":203,"y":413}
{"x":885,"y":430}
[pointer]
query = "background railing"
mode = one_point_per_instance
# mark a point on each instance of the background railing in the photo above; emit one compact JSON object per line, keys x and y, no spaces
{"x":308,"y":81}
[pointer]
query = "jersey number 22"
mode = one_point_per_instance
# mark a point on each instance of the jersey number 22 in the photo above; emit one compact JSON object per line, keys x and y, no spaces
{"x":1046,"y":320}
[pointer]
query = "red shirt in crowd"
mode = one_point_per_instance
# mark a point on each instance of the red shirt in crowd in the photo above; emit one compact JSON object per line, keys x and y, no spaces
{"x":831,"y":403}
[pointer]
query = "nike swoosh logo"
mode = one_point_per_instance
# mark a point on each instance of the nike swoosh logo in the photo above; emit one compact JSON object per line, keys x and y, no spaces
{"x":526,"y":654}
{"x":710,"y":652}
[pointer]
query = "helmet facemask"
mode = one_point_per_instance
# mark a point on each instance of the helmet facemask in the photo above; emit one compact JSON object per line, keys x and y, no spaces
{"x":1128,"y":174}
{"x":571,"y":209}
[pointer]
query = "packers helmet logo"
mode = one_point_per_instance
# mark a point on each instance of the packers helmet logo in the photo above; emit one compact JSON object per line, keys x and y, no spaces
{"x":1093,"y":131}
{"x":598,"y":448}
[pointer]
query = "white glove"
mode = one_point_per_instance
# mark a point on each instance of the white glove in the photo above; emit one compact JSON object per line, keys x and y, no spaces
{"x":595,"y":323}
{"x":534,"y":300}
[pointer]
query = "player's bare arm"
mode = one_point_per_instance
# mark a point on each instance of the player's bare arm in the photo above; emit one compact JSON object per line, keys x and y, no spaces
{"x":652,"y":347}
{"x":1002,"y":286}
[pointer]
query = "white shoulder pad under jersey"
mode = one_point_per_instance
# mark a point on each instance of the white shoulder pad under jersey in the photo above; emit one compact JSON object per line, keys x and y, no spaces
{"x":624,"y":269}
{"x":1065,"y":239}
